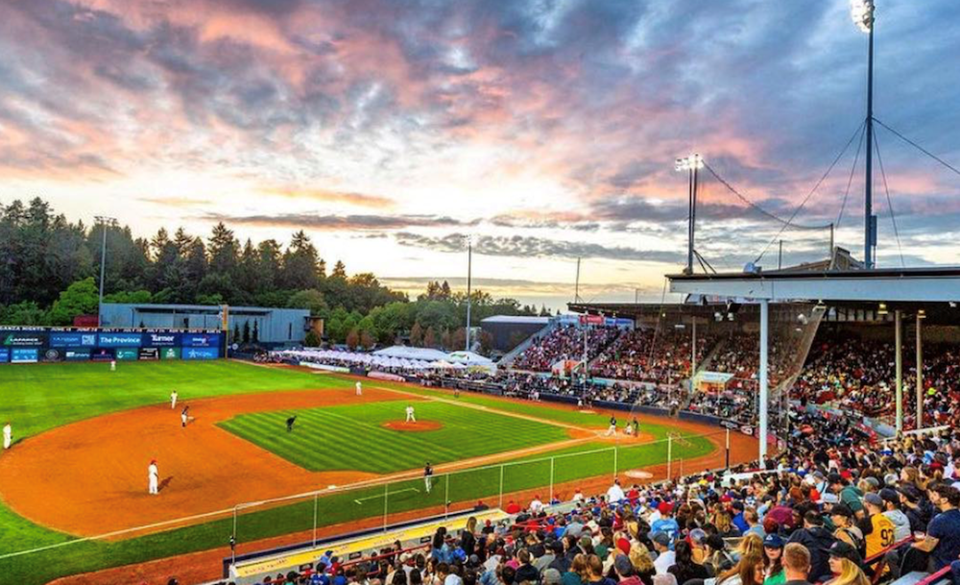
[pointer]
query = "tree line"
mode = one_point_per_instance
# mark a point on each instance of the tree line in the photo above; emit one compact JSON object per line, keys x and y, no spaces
{"x":49,"y":271}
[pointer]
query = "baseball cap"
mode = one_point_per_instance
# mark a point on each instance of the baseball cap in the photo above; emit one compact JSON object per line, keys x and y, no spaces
{"x":873,"y":499}
{"x":623,"y":566}
{"x":874,"y":482}
{"x":697,"y":535}
{"x":714,"y":541}
{"x":551,"y":577}
{"x":889,"y":495}
{"x":665,"y":507}
{"x":834,"y":478}
{"x":829,"y":498}
{"x":661,"y":538}
{"x":842,"y":550}
{"x":910,"y":492}
{"x":773,"y":541}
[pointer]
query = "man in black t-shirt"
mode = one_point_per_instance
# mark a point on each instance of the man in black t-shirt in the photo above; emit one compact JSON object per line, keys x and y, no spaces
{"x":427,"y":475}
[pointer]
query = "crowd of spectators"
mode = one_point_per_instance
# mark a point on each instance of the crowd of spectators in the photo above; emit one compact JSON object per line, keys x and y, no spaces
{"x":651,"y":355}
{"x":564,"y":342}
{"x":833,"y":508}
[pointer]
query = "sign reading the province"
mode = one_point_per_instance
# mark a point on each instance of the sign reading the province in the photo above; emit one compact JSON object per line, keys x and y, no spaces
{"x":119,"y":340}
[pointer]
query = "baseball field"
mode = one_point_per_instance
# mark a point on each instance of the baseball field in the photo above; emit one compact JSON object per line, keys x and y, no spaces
{"x":84,"y":436}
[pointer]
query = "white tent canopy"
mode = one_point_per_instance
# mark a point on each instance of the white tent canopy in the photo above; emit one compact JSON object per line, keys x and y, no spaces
{"x":411,"y":353}
{"x":468,"y":358}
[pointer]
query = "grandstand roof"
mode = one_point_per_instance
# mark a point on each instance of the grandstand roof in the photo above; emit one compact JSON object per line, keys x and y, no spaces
{"x":912,"y":285}
{"x":517,"y":319}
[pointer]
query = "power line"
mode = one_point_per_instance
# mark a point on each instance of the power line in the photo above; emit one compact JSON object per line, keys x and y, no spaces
{"x":893,"y":217}
{"x":920,"y":148}
{"x":812,"y":191}
{"x":757,"y":207}
{"x":853,"y":170}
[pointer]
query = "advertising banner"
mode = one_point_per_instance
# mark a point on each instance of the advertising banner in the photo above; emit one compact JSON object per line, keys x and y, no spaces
{"x":4,"y":355}
{"x":102,"y":355}
{"x":149,"y":353}
{"x":119,"y":339}
{"x":73,"y":340}
{"x":591,"y":320}
{"x":76,"y":355}
{"x":53,"y":355}
{"x":15,"y":339}
{"x":170,"y":353}
{"x":161,"y":340}
{"x":127,"y":354}
{"x":200,"y":340}
{"x":200,"y":353}
{"x":24,"y":356}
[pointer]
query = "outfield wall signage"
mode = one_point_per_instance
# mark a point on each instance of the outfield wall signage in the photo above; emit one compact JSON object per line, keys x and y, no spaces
{"x":161,"y":340}
{"x":200,"y":340}
{"x":19,"y":355}
{"x":119,"y":339}
{"x":4,"y":355}
{"x":23,"y":339}
{"x":126,"y":354}
{"x":76,"y":355}
{"x":170,"y":353}
{"x":200,"y":353}
{"x":102,"y":355}
{"x":148,"y":353}
{"x":73,"y":340}
{"x":52,"y":355}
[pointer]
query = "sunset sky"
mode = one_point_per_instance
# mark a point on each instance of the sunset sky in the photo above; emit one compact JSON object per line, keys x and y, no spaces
{"x":547,"y":129}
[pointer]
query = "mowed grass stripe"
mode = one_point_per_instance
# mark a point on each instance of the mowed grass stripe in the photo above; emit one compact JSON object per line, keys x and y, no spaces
{"x":351,"y":437}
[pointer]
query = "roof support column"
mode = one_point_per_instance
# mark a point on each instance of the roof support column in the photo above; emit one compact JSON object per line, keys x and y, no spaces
{"x":764,"y":343}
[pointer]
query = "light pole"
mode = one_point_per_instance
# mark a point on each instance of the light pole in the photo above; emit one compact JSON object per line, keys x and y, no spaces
{"x":104,"y":223}
{"x":691,"y":164}
{"x":469,"y":288}
{"x":861,"y":11}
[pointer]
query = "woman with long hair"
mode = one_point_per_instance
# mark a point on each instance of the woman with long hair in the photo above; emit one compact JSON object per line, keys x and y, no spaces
{"x":749,"y":571}
{"x":642,"y":563}
{"x":773,"y":560}
{"x":750,"y":544}
{"x":577,"y":573}
{"x":685,"y":568}
{"x":724,"y":524}
{"x":848,"y":573}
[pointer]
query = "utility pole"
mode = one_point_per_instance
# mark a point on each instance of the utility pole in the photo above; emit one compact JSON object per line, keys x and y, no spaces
{"x":576,"y":290}
{"x":104,"y":222}
{"x":692,"y":164}
{"x":862,"y":14}
{"x":469,"y":288}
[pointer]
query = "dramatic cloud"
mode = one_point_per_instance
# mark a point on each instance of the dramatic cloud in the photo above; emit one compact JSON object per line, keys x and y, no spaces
{"x":532,"y":247}
{"x":546,"y":127}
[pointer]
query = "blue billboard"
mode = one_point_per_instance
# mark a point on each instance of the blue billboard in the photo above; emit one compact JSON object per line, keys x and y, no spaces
{"x":200,"y":340}
{"x":76,"y":355}
{"x":102,"y":355}
{"x":19,"y":355}
{"x":4,"y":355}
{"x":73,"y":339}
{"x":119,"y":340}
{"x":200,"y":353}
{"x":161,"y":340}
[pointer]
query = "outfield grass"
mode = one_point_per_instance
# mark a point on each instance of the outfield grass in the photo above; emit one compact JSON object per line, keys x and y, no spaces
{"x":36,"y":398}
{"x":351,"y":437}
{"x":41,"y":397}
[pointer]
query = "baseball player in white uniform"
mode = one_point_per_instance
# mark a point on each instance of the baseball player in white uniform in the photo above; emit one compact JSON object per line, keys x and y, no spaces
{"x":153,"y":476}
{"x":113,"y":365}
{"x":7,"y":436}
{"x":410,"y":415}
{"x":359,"y":388}
{"x":173,"y":400}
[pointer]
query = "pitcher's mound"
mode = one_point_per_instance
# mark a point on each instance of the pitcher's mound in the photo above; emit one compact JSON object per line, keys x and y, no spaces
{"x":638,"y":474}
{"x":412,"y":427}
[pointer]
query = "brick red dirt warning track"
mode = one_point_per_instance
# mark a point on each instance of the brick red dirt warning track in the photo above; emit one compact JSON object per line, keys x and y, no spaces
{"x":90,"y":477}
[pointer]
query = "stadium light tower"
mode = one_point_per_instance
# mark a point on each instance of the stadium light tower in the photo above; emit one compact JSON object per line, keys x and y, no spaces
{"x":469,"y":240}
{"x":691,"y":164}
{"x":861,"y":11}
{"x":104,"y":223}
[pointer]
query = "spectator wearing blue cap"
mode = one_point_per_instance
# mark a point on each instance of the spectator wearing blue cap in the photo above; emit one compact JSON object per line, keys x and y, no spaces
{"x":773,"y":560}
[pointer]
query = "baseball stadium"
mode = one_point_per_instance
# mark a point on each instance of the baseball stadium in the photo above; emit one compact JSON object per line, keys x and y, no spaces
{"x":560,"y":355}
